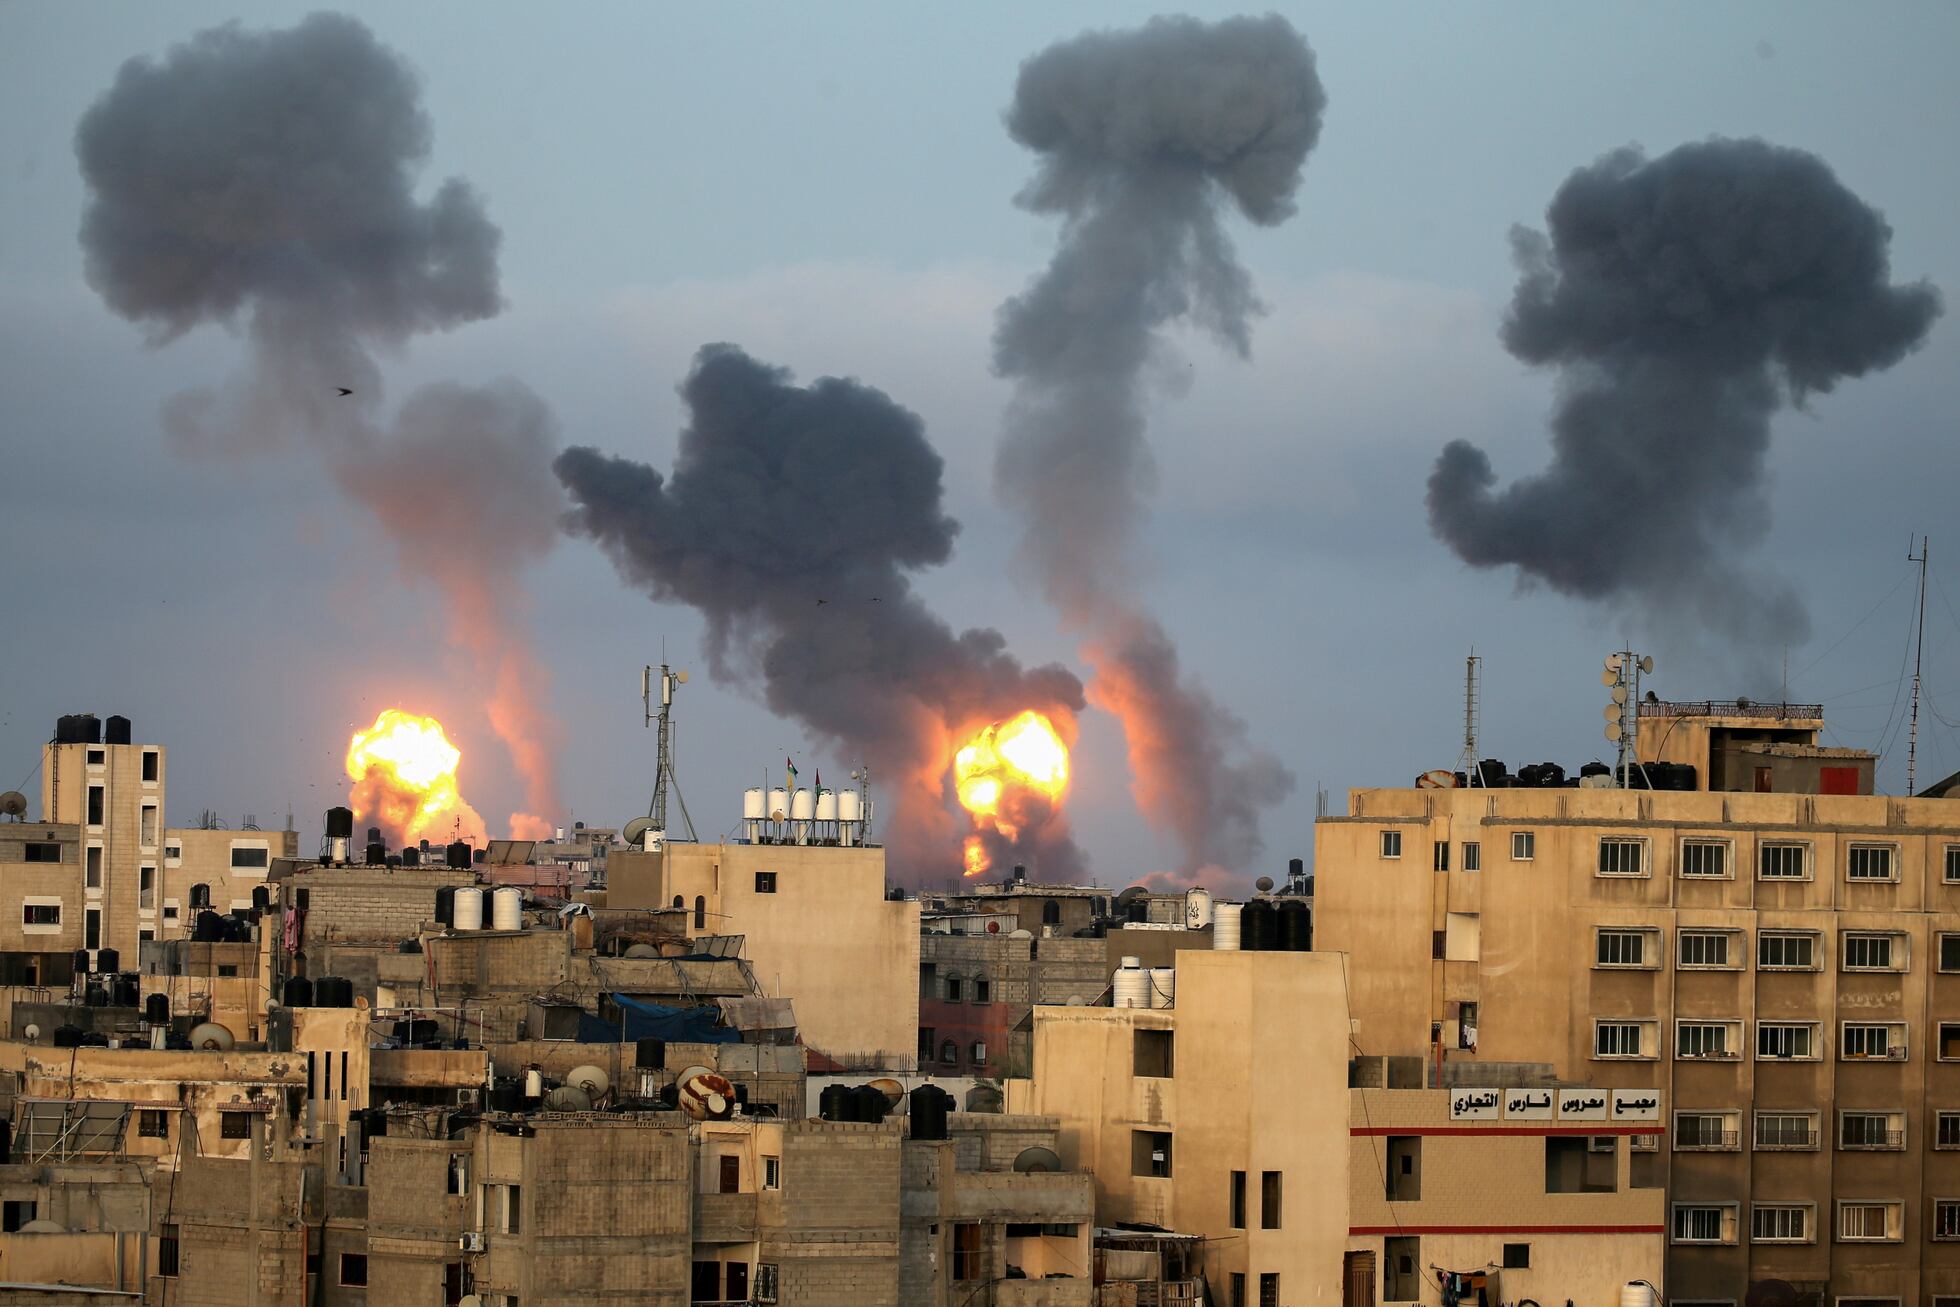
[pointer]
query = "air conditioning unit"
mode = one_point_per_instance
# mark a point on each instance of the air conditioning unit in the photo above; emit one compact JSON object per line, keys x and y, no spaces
{"x":471,"y":1242}
{"x":466,"y":1097}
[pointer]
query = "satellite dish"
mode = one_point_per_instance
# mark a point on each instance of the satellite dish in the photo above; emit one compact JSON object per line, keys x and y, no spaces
{"x":360,"y":1002}
{"x":1646,"y":665}
{"x":13,"y":804}
{"x":1035,"y":1161}
{"x":1612,"y":730}
{"x":1741,"y":702}
{"x":704,"y":1095}
{"x":680,"y":678}
{"x":1614,"y":712}
{"x":993,"y":928}
{"x":211,"y":1036}
{"x":636,"y":830}
{"x":1020,"y":934}
{"x":31,"y":1034}
{"x":1440,"y":779}
{"x":567,"y":1098}
{"x":1609,"y":677}
{"x":1132,"y":893}
{"x":641,"y":951}
{"x":1263,"y":884}
{"x":1619,"y":694}
{"x":591,"y":1079}
{"x":44,"y":1226}
{"x":1612,"y":662}
{"x":893,"y":1091}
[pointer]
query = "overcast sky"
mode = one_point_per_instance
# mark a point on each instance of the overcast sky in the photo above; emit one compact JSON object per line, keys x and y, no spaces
{"x":831,"y":188}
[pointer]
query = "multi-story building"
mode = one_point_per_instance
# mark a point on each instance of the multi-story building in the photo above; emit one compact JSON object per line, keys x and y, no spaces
{"x":1775,"y":953}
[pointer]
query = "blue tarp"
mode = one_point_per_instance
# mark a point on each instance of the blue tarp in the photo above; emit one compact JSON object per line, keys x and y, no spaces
{"x":676,"y":1025}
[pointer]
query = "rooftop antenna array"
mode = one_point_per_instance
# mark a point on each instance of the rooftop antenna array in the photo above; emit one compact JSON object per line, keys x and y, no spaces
{"x":663,"y":775}
{"x":1918,"y":650}
{"x":1622,"y":679}
{"x":1467,"y":764}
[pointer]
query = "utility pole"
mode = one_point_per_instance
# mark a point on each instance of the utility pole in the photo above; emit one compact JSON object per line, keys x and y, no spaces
{"x":663,"y":774}
{"x":1919,"y":648}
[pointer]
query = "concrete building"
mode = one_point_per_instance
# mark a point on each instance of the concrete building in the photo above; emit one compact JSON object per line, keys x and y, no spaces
{"x":1776,"y":956}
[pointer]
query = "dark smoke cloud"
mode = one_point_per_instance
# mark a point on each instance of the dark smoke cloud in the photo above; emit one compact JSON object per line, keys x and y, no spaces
{"x":1144,"y":137}
{"x":791,"y":521}
{"x":267,"y":179}
{"x":1683,"y":300}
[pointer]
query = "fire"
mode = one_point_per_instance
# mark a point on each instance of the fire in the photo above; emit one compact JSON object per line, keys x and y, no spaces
{"x":404,"y":773}
{"x":1007,"y":775}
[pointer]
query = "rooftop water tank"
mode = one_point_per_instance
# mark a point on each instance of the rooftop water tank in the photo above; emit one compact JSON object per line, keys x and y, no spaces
{"x":753,"y":808}
{"x":1295,"y":926}
{"x":802,"y":805}
{"x":778,"y":804}
{"x":1225,"y":926}
{"x":1131,"y":984}
{"x":107,"y":960}
{"x":117,"y":730}
{"x":468,"y":909}
{"x":1197,"y":908}
{"x":1163,"y":986}
{"x":1259,"y":927}
{"x":849,"y":807}
{"x":457,"y":854}
{"x":297,"y":992}
{"x":927,"y":1112}
{"x":507,"y":908}
{"x":340,"y":823}
{"x":826,"y":805}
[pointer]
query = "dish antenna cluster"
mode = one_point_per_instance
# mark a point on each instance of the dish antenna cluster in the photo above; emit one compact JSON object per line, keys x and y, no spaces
{"x":655,"y":822}
{"x":1622,"y":679}
{"x":13,"y":805}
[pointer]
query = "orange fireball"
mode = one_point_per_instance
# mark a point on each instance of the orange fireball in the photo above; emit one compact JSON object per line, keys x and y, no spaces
{"x":1006,"y":775}
{"x":404,"y":773}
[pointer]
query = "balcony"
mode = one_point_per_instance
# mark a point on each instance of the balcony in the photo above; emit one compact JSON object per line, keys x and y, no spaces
{"x":724,"y":1218}
{"x":1873,"y":1141}
{"x":1708,"y":1141}
{"x":1788,"y":1142}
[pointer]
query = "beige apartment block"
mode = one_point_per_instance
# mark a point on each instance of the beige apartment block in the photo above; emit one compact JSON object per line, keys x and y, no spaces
{"x":1223,"y":1116}
{"x":215,"y":871}
{"x":816,"y":928}
{"x":1781,"y":965}
{"x":115,"y":794}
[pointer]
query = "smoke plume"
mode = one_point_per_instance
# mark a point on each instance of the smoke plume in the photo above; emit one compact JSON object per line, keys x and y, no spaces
{"x":792,"y":521}
{"x":267,"y":179}
{"x":1683,"y":300}
{"x":1144,"y":138}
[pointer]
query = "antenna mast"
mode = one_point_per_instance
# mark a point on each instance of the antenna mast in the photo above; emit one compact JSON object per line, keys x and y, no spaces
{"x":1919,"y":648}
{"x":1468,"y":763}
{"x":1622,"y":680}
{"x":663,"y":774}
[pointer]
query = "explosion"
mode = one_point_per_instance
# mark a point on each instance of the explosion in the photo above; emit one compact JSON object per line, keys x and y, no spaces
{"x":404,"y":773}
{"x":1010,"y":776}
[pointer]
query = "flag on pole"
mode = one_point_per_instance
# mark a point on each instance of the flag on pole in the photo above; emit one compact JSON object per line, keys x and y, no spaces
{"x":792,"y":771}
{"x":817,"y":784}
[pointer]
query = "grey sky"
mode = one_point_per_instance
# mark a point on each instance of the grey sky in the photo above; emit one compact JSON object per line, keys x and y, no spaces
{"x":832,"y":189}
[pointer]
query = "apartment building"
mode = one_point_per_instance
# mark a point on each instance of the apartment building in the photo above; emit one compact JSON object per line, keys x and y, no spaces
{"x":1777,"y":957}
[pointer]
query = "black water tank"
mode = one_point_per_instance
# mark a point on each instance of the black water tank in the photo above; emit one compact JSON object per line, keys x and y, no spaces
{"x":377,"y":854}
{"x":261,"y":898}
{"x":156,"y":1009}
{"x":117,"y":731}
{"x":67,"y":1036}
{"x":1296,"y":868}
{"x":208,"y":928}
{"x":1259,"y":927}
{"x":650,"y":1054}
{"x":333,"y":991}
{"x":835,"y":1103}
{"x":457,"y":854}
{"x":1595,"y":769}
{"x":107,"y":960}
{"x":129,"y":989}
{"x":89,"y":728}
{"x":81,"y":962}
{"x":297,"y":992}
{"x":411,"y":857}
{"x":95,"y":995}
{"x":930,"y":1106}
{"x":374,"y":1124}
{"x":479,"y":855}
{"x":507,"y":1095}
{"x":340,"y":823}
{"x":422,"y":1030}
{"x":872,"y":1103}
{"x":446,"y":905}
{"x":1295,"y":935}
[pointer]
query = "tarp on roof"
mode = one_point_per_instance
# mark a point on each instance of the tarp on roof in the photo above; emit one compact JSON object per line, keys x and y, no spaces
{"x":642,"y":1020}
{"x":757,"y":1013}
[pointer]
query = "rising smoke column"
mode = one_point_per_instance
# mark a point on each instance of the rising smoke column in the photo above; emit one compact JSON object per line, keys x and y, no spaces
{"x":791,"y":521}
{"x":1683,"y":301}
{"x":268,"y":178}
{"x":1144,"y":138}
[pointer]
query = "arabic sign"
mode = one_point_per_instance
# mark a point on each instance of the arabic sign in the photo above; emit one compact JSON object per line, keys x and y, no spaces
{"x":1636,"y":1105}
{"x":1528,"y":1105}
{"x":1475,"y":1104}
{"x":1575,"y":1106}
{"x":1583,"y":1104}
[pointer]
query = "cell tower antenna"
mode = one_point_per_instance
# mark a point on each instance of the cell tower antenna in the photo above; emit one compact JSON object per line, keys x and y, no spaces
{"x":1622,"y":679}
{"x":1918,"y":650}
{"x":1472,"y":670}
{"x":663,"y":775}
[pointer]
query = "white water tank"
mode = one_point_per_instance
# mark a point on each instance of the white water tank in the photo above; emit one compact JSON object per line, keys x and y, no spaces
{"x":1197,"y":909}
{"x":1132,"y":985}
{"x":778,"y":805}
{"x":507,"y":908}
{"x":1637,"y":1293}
{"x":826,"y":805}
{"x":469,"y":910}
{"x":1225,"y":926}
{"x":753,"y":808}
{"x":802,"y":805}
{"x":1163,"y":986}
{"x":848,"y":806}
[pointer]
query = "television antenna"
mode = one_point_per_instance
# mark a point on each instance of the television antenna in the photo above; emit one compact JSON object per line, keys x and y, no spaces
{"x":663,"y":775}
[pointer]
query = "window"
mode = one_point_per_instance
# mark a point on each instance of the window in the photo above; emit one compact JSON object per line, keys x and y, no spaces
{"x":1793,"y":1040}
{"x":1704,"y":948}
{"x":16,"y":1213}
{"x":150,"y":761}
{"x":1238,"y":1200}
{"x":765,"y":882}
{"x":92,"y":928}
{"x":1517,"y":1256}
{"x":235,"y":1125}
{"x":1946,"y":1218}
{"x":152,"y":1124}
{"x":772,"y":1172}
{"x":1150,"y":1152}
{"x":953,"y":989}
{"x":459,"y":1173}
{"x":1949,"y":952}
{"x":146,"y":888}
{"x":1782,"y":950}
{"x":1269,"y":1289}
{"x":1403,"y":1277}
{"x":1403,"y":1163}
{"x":1783,"y":862}
{"x":1953,"y":864}
{"x":949,"y":1053}
{"x":1237,"y":1294}
{"x":765,"y":1282}
{"x":1391,"y":844}
{"x":167,"y":1251}
{"x":1051,"y":913}
{"x":979,"y":1052}
{"x":249,"y":859}
{"x":1947,"y":1048}
{"x":700,"y":912}
{"x":95,"y":797}
{"x":1152,"y":1055}
{"x":1779,"y":1223}
{"x":1704,"y":1223}
{"x":503,"y":1203}
{"x":1620,"y":857}
{"x":1788,"y":1131}
{"x":1871,"y":1131}
{"x":170,"y":912}
{"x":1869,"y":862}
{"x":982,"y":991}
{"x":1440,"y":855}
{"x":40,"y":914}
{"x":1706,"y":1132}
{"x":1863,"y":1221}
{"x":926,"y":1040}
{"x":1873,"y":952}
{"x":96,"y":757}
{"x":1946,"y":1130}
{"x":1707,"y":1040}
{"x":1473,"y":856}
{"x":146,"y":825}
{"x":173,"y":853}
{"x":1524,"y":845}
{"x":1620,"y":1039}
{"x":353,"y":1270}
{"x":1705,"y":859}
{"x":1622,"y":948}
{"x":1875,"y":1040}
{"x":40,"y":851}
{"x":93,"y":875}
{"x":1269,"y":1198}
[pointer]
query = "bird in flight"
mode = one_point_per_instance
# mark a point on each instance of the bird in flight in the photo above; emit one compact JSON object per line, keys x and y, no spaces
{"x":343,"y":390}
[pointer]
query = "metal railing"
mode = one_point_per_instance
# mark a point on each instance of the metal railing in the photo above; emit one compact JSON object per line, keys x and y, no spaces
{"x":1688,"y":1141}
{"x":1732,"y":708}
{"x":1867,"y":1140}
